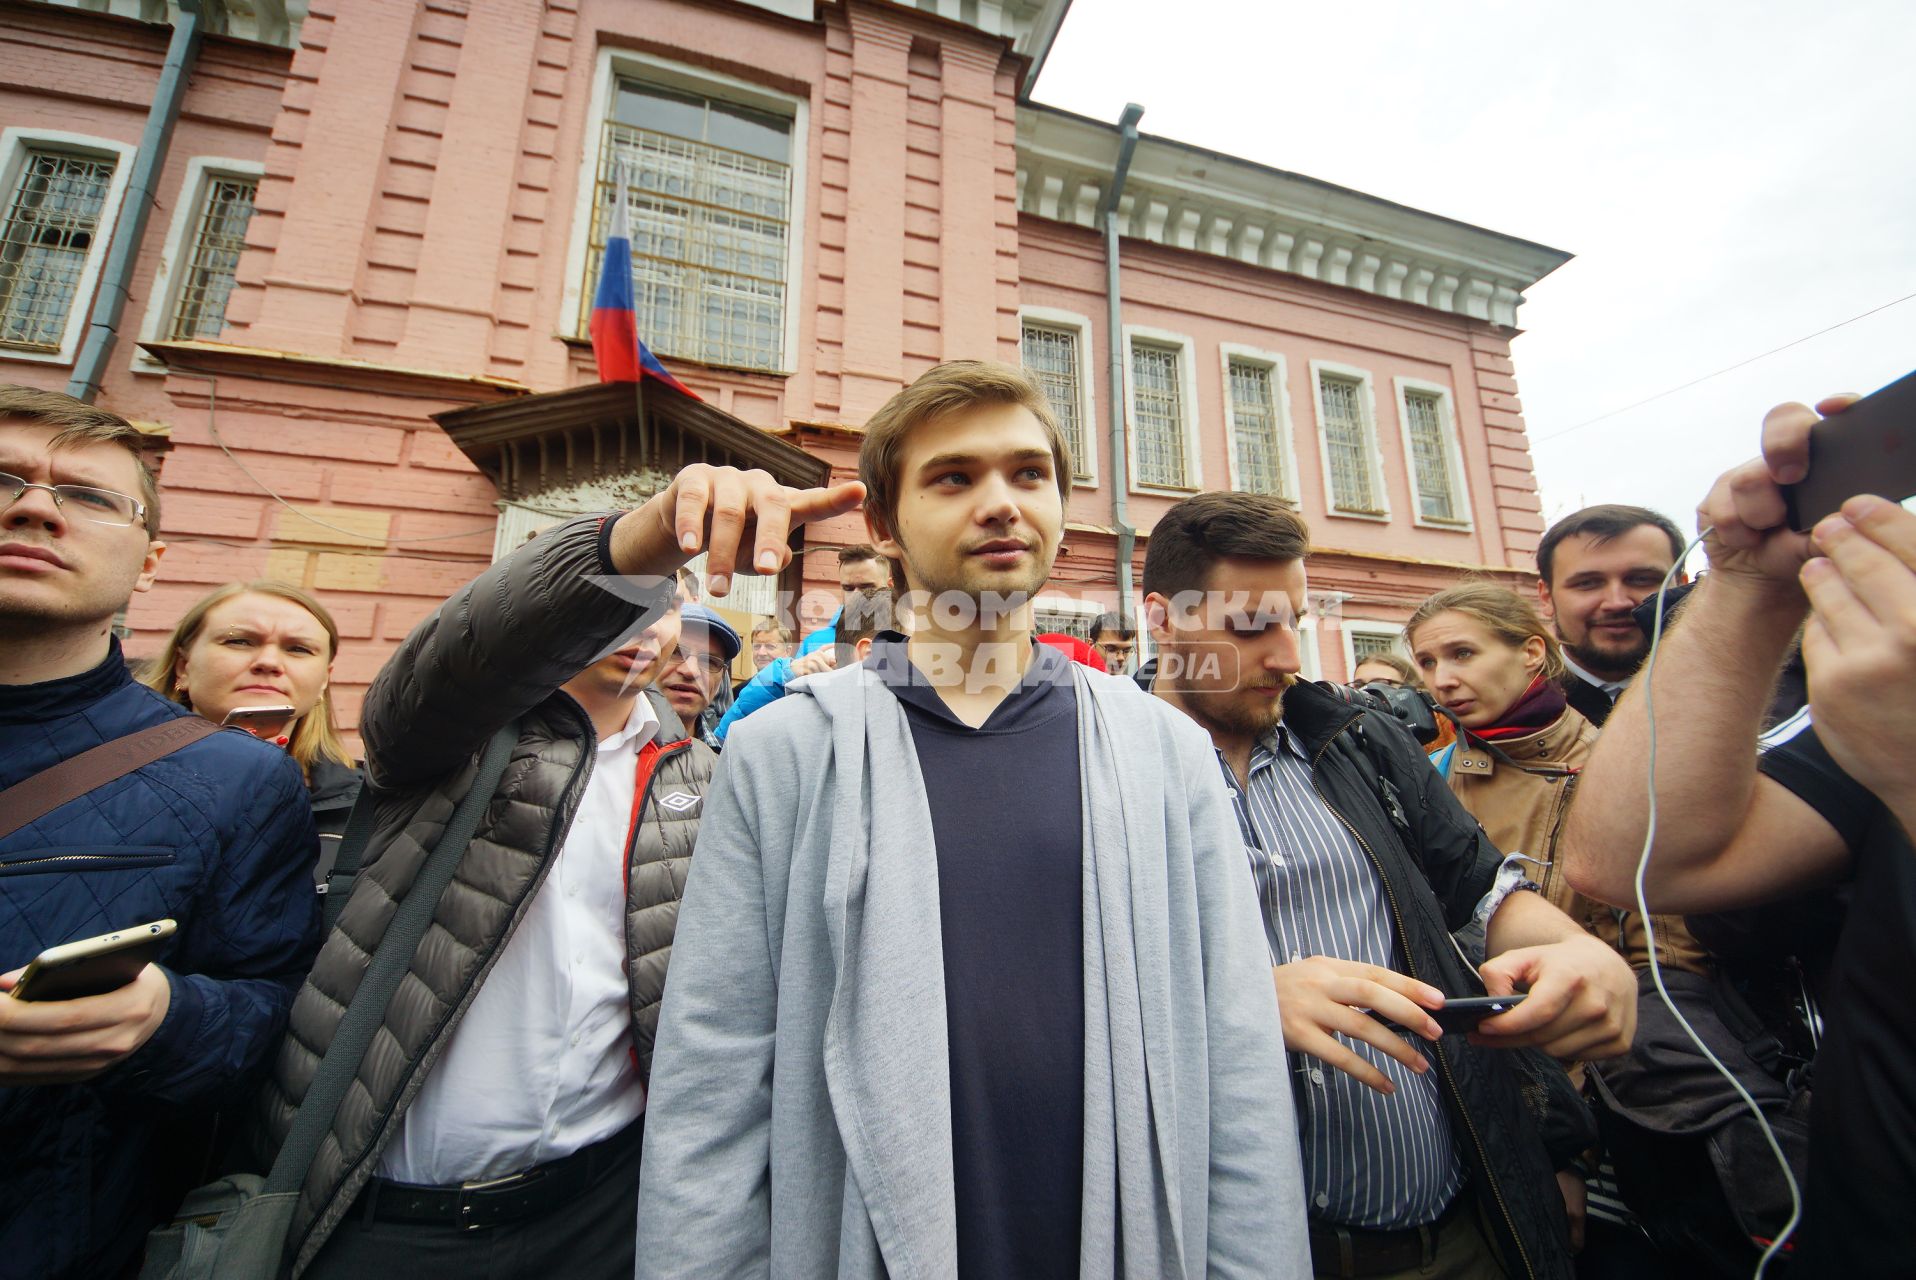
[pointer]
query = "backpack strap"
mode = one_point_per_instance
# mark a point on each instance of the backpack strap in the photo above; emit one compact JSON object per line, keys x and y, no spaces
{"x":35,"y":797}
{"x":392,"y":958}
{"x":352,"y":851}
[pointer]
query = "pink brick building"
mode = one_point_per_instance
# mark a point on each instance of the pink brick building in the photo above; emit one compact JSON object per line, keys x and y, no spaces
{"x":357,"y":312}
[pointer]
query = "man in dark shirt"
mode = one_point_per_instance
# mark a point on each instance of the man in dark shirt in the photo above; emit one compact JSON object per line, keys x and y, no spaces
{"x":1833,"y":796}
{"x":1011,"y":909}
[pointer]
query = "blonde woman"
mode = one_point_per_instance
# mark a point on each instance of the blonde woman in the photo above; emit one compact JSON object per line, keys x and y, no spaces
{"x":263,"y":644}
{"x":1490,"y":660}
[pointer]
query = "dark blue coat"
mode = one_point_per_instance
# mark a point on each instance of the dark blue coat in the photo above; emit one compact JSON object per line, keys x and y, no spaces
{"x":218,"y":836}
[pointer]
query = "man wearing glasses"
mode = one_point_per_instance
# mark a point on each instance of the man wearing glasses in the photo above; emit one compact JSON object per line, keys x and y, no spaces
{"x":215,"y":834}
{"x":698,"y":669}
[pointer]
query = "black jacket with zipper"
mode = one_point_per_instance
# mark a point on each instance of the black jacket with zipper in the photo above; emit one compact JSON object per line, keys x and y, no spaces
{"x":1435,"y":865}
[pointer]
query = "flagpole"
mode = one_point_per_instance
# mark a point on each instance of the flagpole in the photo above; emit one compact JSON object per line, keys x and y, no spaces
{"x":638,"y":384}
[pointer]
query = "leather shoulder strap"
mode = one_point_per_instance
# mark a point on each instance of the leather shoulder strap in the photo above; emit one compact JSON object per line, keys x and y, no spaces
{"x":35,"y":797}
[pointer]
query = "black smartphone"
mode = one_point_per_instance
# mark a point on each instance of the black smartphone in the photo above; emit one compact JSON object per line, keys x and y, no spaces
{"x":1463,"y":1013}
{"x":94,"y":966}
{"x":1869,"y":447}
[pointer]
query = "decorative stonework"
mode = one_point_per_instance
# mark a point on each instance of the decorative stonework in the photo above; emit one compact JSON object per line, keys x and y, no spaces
{"x":1188,"y":198}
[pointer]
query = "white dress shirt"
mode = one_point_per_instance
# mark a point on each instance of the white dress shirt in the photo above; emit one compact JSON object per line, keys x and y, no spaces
{"x":541,"y":1065}
{"x":1612,"y":689}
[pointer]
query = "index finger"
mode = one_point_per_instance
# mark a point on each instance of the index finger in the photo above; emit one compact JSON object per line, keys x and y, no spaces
{"x":822,"y":504}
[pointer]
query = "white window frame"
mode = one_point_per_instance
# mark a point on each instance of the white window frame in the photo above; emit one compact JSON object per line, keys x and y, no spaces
{"x":1367,"y":394}
{"x":1087,"y":609}
{"x":1309,"y":659}
{"x":1453,"y":449}
{"x":1186,"y":348}
{"x":14,"y":145}
{"x":162,"y":296}
{"x":1369,"y":627}
{"x":1281,"y":396}
{"x":614,"y":63}
{"x":1054,"y":318}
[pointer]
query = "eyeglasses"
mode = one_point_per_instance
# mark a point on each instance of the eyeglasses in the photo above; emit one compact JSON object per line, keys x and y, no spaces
{"x":101,"y":506}
{"x":867,"y":589}
{"x":712,"y":662}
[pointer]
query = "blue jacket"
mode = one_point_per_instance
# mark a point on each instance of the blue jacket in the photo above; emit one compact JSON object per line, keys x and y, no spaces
{"x":762,"y":690}
{"x":768,"y":686}
{"x":219,"y":837}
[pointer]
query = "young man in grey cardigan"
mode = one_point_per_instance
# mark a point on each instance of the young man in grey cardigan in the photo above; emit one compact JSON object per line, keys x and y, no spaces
{"x":969,"y":976}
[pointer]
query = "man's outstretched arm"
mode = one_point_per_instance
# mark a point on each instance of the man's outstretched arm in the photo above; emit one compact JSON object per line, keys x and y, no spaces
{"x":1725,"y":836}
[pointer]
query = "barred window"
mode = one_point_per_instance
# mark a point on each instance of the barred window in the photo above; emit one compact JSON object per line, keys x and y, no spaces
{"x":1366,"y":644}
{"x":1067,"y":622}
{"x":212,"y":256}
{"x":1157,"y":415}
{"x":1051,"y":358}
{"x":53,"y":215}
{"x":710,"y":204}
{"x":1430,"y":457}
{"x":1347,"y":445}
{"x":1254,"y":428}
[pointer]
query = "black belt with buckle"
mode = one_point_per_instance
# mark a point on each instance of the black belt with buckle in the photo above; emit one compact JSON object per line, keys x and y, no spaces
{"x":531,"y":1194}
{"x":1355,"y":1252}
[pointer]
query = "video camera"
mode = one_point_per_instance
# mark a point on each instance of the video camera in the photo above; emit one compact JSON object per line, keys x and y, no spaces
{"x":1413,"y":708}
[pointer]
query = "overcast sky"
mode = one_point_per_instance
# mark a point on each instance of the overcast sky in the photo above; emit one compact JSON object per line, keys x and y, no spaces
{"x":1731,"y":177}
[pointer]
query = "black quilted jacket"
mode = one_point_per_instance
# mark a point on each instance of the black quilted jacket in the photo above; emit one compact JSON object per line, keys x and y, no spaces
{"x":216,"y":836}
{"x":498,"y":650}
{"x":1436,"y":863}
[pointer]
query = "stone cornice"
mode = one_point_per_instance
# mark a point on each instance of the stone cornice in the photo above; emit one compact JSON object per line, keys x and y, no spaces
{"x":224,"y":359}
{"x":1186,"y":197}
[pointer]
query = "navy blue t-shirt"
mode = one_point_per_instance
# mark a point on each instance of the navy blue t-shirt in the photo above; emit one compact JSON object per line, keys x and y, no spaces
{"x":1006,"y":817}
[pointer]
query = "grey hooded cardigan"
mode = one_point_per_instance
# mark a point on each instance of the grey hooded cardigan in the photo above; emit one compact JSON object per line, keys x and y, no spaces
{"x":799,"y":1120}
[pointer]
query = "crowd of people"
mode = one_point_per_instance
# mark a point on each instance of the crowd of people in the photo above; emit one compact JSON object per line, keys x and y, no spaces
{"x":940,"y":947}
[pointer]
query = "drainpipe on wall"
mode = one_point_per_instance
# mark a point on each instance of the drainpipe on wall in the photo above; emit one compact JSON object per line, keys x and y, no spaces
{"x":1114,"y":329}
{"x":108,"y":307}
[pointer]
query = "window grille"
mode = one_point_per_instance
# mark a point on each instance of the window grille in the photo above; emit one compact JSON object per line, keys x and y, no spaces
{"x":52,"y":217}
{"x":1157,"y":414}
{"x":1062,"y":621}
{"x":709,"y":199}
{"x":1430,"y":457}
{"x":1347,"y":444}
{"x":1260,"y":460}
{"x":1368,"y":645}
{"x":1051,"y":358}
{"x":219,"y":234}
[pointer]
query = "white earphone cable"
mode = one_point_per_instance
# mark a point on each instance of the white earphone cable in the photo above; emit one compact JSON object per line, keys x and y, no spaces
{"x":1649,"y":926}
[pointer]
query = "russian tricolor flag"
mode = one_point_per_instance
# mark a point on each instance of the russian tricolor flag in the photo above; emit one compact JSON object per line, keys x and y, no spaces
{"x":616,"y":347}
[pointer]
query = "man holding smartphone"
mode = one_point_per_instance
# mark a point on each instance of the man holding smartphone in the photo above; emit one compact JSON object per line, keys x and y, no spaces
{"x":106,"y":1099}
{"x":1419,"y":1156}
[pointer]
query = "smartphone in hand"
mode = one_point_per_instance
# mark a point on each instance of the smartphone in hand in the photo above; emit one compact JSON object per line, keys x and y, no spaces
{"x":1869,"y":447}
{"x":94,"y":966}
{"x":1463,"y":1013}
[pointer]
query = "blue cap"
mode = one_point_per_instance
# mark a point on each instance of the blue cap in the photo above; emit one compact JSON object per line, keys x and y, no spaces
{"x":697,"y":615}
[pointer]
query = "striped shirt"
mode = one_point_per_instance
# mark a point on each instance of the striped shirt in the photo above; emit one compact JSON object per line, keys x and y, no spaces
{"x":1370,"y":1160}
